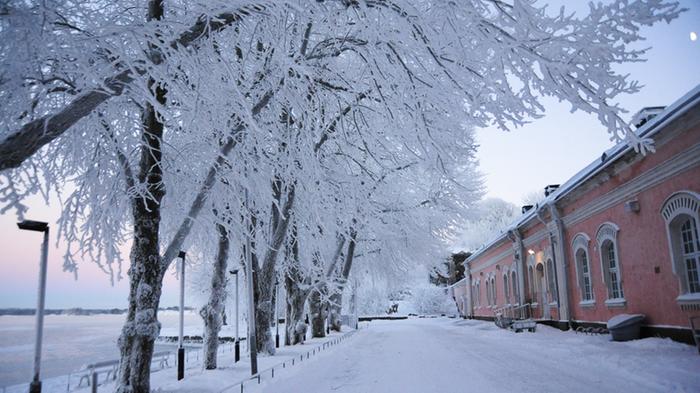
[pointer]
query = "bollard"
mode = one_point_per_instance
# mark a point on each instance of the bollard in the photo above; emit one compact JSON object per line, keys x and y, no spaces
{"x":258,"y":379}
{"x":180,"y":363}
{"x":94,"y":382}
{"x":237,"y":357}
{"x":273,"y":372}
{"x":241,"y":387}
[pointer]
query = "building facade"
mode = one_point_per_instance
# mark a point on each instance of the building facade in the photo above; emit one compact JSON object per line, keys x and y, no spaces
{"x":621,"y":236}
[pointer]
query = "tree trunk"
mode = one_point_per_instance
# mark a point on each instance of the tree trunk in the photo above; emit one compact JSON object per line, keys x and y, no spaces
{"x":295,"y":282}
{"x":317,"y":308}
{"x":145,"y":273}
{"x":213,"y":311}
{"x":336,"y":304}
{"x":265,"y":281}
{"x":336,"y":300}
{"x":296,"y":298}
{"x":141,"y":327}
{"x":263,"y":288}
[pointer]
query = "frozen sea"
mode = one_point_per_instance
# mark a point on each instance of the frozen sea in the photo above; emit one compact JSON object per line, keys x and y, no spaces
{"x":71,"y":341}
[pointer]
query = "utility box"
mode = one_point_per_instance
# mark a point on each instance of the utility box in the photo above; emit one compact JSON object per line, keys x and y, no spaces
{"x":625,"y":327}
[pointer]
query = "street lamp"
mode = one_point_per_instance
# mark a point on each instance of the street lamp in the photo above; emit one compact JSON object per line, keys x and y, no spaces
{"x":277,"y":318}
{"x":38,"y":226}
{"x":237,"y":344}
{"x":180,"y":348}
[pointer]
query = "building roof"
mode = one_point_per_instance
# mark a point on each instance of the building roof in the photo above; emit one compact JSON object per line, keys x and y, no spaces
{"x":647,"y":130}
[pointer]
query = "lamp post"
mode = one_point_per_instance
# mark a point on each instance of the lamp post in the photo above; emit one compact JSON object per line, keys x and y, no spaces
{"x":180,"y":348}
{"x":237,"y":344}
{"x":38,"y":226}
{"x":277,"y":319}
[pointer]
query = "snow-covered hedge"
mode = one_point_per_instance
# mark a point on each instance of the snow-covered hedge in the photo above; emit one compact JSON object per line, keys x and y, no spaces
{"x":430,"y":299}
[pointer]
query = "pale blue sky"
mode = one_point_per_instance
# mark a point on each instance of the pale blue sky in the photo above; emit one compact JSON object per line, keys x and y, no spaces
{"x":549,"y":150}
{"x":554,"y":148}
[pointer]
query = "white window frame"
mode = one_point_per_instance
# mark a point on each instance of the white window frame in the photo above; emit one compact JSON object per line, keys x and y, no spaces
{"x":506,"y":287}
{"x":488,"y":293}
{"x":532,"y":283}
{"x":607,"y":232}
{"x":477,"y":289}
{"x":581,"y":243}
{"x":494,"y":293}
{"x":676,"y":209}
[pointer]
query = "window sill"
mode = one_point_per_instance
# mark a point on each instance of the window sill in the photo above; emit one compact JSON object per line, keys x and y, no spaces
{"x":689,"y":298}
{"x":553,"y":304}
{"x":534,"y":305}
{"x":587,"y":303}
{"x":621,"y":302}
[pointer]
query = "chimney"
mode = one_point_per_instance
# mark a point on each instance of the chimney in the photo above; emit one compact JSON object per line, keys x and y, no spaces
{"x":525,"y":208}
{"x":646,"y":114}
{"x":550,"y":189}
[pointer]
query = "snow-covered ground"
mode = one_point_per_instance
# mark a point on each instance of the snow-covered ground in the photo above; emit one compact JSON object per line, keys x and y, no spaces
{"x":448,"y":355}
{"x":71,"y":341}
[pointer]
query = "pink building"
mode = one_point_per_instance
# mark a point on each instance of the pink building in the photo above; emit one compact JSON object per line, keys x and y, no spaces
{"x":621,"y":236}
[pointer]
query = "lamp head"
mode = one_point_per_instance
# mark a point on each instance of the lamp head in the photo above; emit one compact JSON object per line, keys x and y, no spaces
{"x":234,"y":271}
{"x":29,"y":225}
{"x":182,"y":254}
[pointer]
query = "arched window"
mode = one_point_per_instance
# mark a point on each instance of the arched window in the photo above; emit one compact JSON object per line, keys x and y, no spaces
{"x":551,"y":281}
{"x":506,"y":288}
{"x":583,"y":267}
{"x":691,"y":253}
{"x":610,"y":262}
{"x":478,"y":293}
{"x":477,"y":296}
{"x":681,"y":212}
{"x":494,"y":294}
{"x":488,"y":291}
{"x":514,"y":284}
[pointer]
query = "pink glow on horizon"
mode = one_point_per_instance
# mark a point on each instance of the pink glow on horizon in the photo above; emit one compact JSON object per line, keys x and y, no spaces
{"x":19,"y":264}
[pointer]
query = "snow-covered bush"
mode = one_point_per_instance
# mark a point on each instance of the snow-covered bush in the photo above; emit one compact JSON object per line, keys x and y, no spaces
{"x":430,"y":299}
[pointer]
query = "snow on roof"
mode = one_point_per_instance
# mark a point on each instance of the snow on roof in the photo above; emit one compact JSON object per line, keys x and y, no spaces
{"x":457,"y":283}
{"x":649,"y":129}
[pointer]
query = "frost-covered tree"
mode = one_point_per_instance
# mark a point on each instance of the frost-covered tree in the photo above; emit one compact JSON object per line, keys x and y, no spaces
{"x":490,"y":216}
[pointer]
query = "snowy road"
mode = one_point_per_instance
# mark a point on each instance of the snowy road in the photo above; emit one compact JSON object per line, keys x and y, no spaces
{"x":446,"y":355}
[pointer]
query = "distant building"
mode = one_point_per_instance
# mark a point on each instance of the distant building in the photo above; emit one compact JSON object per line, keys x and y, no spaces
{"x":621,"y":236}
